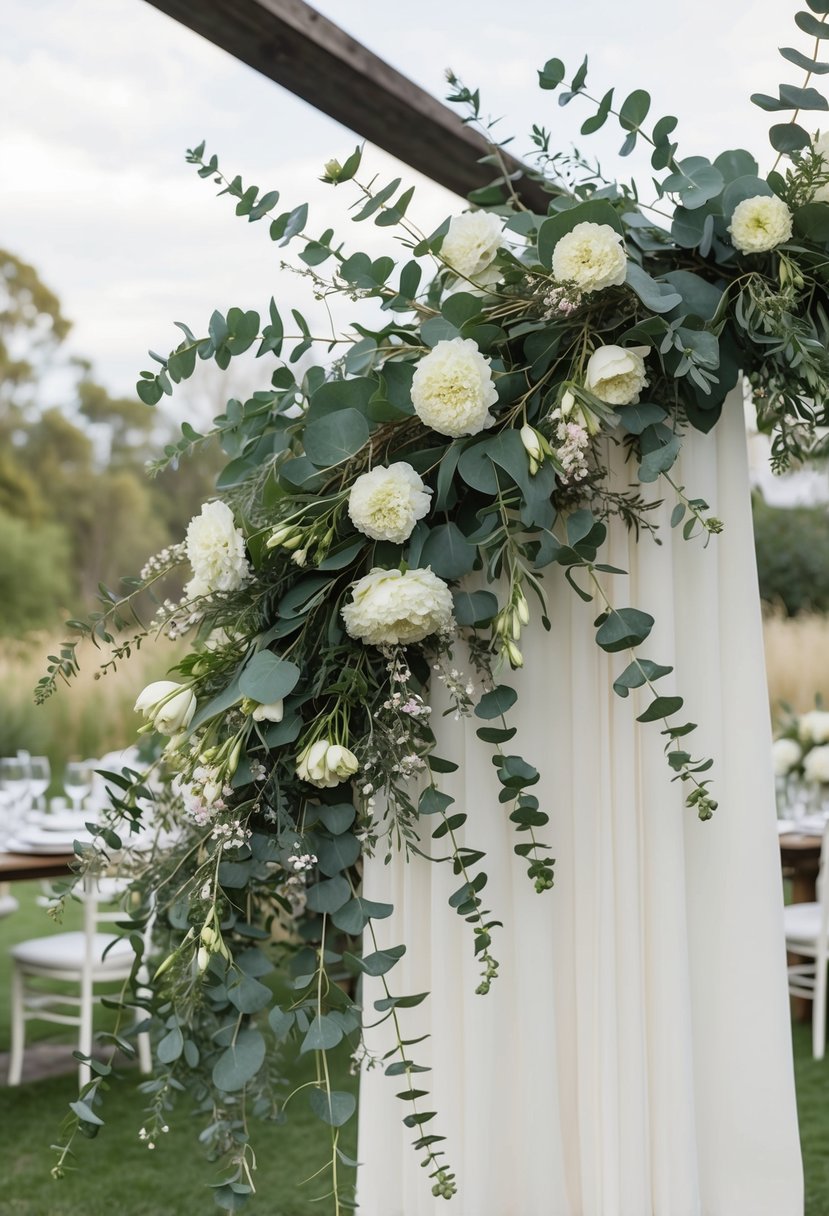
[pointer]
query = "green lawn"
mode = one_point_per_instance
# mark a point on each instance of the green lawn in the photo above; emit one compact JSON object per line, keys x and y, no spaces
{"x":117,"y":1176}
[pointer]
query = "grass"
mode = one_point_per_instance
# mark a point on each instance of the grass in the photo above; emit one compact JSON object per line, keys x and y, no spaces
{"x":797,"y":660}
{"x":116,"y":1174}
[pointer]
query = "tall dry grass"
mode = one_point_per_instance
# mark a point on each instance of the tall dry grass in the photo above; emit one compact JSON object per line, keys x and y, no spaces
{"x":797,"y":660}
{"x":85,"y":719}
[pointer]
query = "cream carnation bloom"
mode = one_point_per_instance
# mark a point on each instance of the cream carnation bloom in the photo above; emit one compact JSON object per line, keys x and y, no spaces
{"x":216,"y":550}
{"x":390,"y":607}
{"x":472,"y":242}
{"x":816,"y":765}
{"x":760,"y":223}
{"x":452,"y":389}
{"x":785,"y":754}
{"x":591,"y":256}
{"x":616,"y":374}
{"x":168,"y":706}
{"x":386,"y":503}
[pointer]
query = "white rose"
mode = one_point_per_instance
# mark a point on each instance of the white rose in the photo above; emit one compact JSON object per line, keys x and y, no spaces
{"x":760,"y":223}
{"x":167,"y":705}
{"x":591,"y":256}
{"x":813,"y":727}
{"x":326,"y":764}
{"x":816,"y":765}
{"x":472,"y":242}
{"x":786,"y":755}
{"x":216,"y":550}
{"x":273,"y":712}
{"x":616,"y":374}
{"x":389,"y":607}
{"x":386,"y":503}
{"x":452,"y":389}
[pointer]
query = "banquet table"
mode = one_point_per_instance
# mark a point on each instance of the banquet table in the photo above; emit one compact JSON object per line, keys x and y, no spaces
{"x":17,"y":867}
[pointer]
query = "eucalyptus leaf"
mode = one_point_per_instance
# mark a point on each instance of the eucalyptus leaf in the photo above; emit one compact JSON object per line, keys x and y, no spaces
{"x":240,"y":1062}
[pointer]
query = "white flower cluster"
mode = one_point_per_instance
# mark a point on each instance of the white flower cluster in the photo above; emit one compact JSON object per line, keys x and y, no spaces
{"x":813,"y":727}
{"x":616,"y":374}
{"x":231,"y":835}
{"x":325,"y":764}
{"x":392,"y":607}
{"x":410,"y":703}
{"x":216,"y":551}
{"x":386,"y":503}
{"x":452,"y":389}
{"x":302,"y":862}
{"x":760,"y":223}
{"x":816,"y":765}
{"x":571,"y":452}
{"x":164,"y":560}
{"x":591,"y":257}
{"x":471,"y":244}
{"x":786,"y":755}
{"x":561,"y":301}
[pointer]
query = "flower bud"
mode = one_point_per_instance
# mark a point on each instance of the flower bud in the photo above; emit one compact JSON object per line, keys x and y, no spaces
{"x":167,"y":706}
{"x":529,"y":438}
{"x":202,"y":958}
{"x":514,"y":655}
{"x":522,"y":608}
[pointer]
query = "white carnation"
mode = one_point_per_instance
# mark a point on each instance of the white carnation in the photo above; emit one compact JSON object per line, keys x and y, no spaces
{"x":390,"y":607}
{"x":591,"y":256}
{"x":616,"y":374}
{"x":813,"y":727}
{"x":386,"y":503}
{"x":786,"y":755}
{"x":760,"y":223}
{"x":452,"y":389}
{"x":216,"y":550}
{"x":472,"y":242}
{"x":816,"y":765}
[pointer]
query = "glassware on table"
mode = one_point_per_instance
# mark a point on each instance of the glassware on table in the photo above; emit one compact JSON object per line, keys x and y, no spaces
{"x":41,"y":775}
{"x":77,"y":781}
{"x":15,"y":779}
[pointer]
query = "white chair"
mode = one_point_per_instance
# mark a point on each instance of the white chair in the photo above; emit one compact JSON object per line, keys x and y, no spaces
{"x":807,"y":934}
{"x":80,"y":957}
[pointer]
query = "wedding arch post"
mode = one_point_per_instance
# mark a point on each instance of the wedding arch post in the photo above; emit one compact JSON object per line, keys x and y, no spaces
{"x":300,"y":49}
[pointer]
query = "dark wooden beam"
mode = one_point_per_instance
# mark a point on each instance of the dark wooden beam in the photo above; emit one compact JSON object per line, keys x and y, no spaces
{"x":292,"y":44}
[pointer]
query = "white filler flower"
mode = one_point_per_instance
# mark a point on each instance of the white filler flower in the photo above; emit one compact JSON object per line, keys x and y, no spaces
{"x":591,"y":256}
{"x":616,"y":374}
{"x":452,"y":389}
{"x":785,"y":754}
{"x":216,"y":549}
{"x":167,"y":705}
{"x":390,"y":608}
{"x":472,"y":242}
{"x":326,"y":764}
{"x":386,"y":503}
{"x":816,"y":765}
{"x":760,"y":223}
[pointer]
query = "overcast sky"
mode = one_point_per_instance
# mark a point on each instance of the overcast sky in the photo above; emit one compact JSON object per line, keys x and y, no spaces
{"x":100,"y":98}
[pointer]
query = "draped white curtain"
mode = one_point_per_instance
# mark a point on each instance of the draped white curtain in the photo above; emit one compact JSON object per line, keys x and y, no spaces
{"x":634,"y":1056}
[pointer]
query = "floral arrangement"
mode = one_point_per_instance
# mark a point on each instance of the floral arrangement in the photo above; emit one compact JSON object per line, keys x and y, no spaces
{"x":801,"y":751}
{"x":461,"y":429}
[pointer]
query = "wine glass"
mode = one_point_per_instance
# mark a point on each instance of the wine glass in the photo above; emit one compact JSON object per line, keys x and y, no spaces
{"x":77,"y":781}
{"x":41,"y":775}
{"x":15,"y":778}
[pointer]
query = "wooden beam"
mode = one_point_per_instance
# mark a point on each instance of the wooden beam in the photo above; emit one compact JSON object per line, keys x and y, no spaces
{"x":294,"y":45}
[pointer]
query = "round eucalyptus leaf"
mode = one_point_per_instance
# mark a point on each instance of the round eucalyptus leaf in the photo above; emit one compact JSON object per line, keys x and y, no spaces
{"x":336,"y":437}
{"x":267,"y":678}
{"x":240,"y":1062}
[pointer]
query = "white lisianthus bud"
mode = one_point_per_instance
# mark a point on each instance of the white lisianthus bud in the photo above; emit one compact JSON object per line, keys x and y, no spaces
{"x":202,"y":958}
{"x":332,"y":170}
{"x":167,"y":706}
{"x":532,"y":446}
{"x":208,"y":934}
{"x":300,"y":557}
{"x":326,"y":764}
{"x":516,"y":658}
{"x":273,"y":712}
{"x":522,"y":608}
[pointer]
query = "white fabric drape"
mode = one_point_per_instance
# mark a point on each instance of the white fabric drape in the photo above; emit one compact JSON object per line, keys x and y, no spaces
{"x":634,"y":1056}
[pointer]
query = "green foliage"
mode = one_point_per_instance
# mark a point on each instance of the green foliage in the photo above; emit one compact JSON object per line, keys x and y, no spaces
{"x":34,"y":575}
{"x":792,"y":545}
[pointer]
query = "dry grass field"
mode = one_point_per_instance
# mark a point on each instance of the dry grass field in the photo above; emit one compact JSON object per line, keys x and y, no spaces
{"x":797,"y":660}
